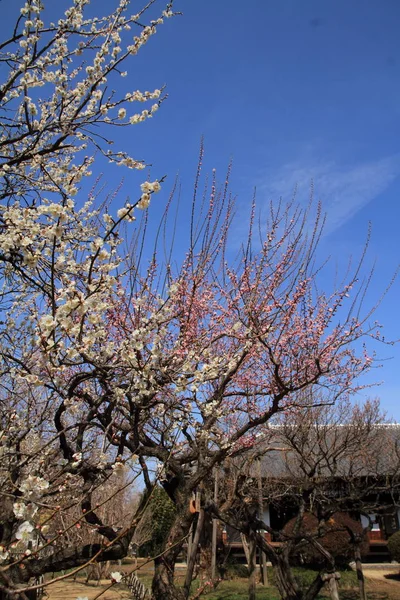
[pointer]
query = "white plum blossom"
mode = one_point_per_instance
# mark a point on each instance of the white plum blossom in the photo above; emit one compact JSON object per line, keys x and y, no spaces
{"x":144,"y":201}
{"x":4,"y":554}
{"x":19,"y":509}
{"x":116,"y":576}
{"x":77,"y":459}
{"x":24,"y":532}
{"x":34,"y":486}
{"x":148,"y":187}
{"x":124,"y":212}
{"x":24,"y":511}
{"x":47,"y":323}
{"x":118,"y":467}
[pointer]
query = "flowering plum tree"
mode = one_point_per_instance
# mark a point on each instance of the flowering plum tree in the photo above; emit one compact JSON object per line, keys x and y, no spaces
{"x":58,"y":256}
{"x":108,"y":363}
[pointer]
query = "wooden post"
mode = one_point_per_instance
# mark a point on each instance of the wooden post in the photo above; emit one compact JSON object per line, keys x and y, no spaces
{"x":214,"y":532}
{"x":360,"y":573}
{"x":192,"y":558}
{"x":189,"y":544}
{"x":245,"y":548}
{"x":250,"y":551}
{"x":333,"y":586}
{"x":264,"y":572}
{"x":332,"y":580}
{"x":252,"y":569}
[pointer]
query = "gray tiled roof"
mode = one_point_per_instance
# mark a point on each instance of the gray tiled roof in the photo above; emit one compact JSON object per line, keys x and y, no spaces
{"x":332,"y":453}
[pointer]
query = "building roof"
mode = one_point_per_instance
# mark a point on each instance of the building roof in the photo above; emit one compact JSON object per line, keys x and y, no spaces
{"x":337,"y":451}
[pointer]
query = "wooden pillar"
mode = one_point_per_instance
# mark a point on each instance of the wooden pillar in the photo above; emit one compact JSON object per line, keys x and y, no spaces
{"x":214,"y":531}
{"x":263,"y":565}
{"x":192,"y":558}
{"x":189,"y":544}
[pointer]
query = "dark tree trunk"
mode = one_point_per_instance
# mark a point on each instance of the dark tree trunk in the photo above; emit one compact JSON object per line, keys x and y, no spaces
{"x":163,"y":586}
{"x":285,"y":582}
{"x":288,"y":587}
{"x":314,"y":588}
{"x":29,"y":595}
{"x":15,"y":577}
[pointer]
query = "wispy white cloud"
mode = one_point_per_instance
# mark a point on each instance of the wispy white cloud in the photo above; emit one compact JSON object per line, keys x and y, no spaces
{"x":343,"y":189}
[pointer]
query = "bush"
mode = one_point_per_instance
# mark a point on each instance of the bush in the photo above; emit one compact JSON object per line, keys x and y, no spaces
{"x":336,"y":540}
{"x":394,"y":546}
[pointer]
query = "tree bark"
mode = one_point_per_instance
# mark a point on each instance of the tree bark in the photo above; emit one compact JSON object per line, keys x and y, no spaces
{"x":28,"y":595}
{"x":360,"y":573}
{"x":287,"y":585}
{"x":279,"y":557}
{"x":250,"y":549}
{"x":163,"y":586}
{"x":252,"y":566}
{"x":333,"y":588}
{"x":285,"y":581}
{"x":314,"y":588}
{"x":192,"y":558}
{"x":332,"y":576}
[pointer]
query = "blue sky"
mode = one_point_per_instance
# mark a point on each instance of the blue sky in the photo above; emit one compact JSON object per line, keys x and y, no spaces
{"x":291,"y":90}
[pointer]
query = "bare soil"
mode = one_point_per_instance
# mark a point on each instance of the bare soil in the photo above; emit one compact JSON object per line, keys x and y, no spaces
{"x":381,"y":585}
{"x":384,"y":581}
{"x":70,"y":590}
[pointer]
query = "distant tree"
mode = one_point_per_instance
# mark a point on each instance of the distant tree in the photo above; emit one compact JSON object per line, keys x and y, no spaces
{"x":151,"y":535}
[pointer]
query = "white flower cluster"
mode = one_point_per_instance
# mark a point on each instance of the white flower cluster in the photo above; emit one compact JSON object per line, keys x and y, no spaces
{"x":46,"y":56}
{"x":148,"y":188}
{"x":33,"y":487}
{"x":126,"y":213}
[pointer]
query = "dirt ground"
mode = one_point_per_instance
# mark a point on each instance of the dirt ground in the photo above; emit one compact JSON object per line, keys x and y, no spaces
{"x":381,"y":583}
{"x":384,"y":581}
{"x":70,"y":590}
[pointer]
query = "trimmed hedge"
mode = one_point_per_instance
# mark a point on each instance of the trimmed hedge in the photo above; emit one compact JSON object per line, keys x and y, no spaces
{"x":336,"y":540}
{"x":394,"y":546}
